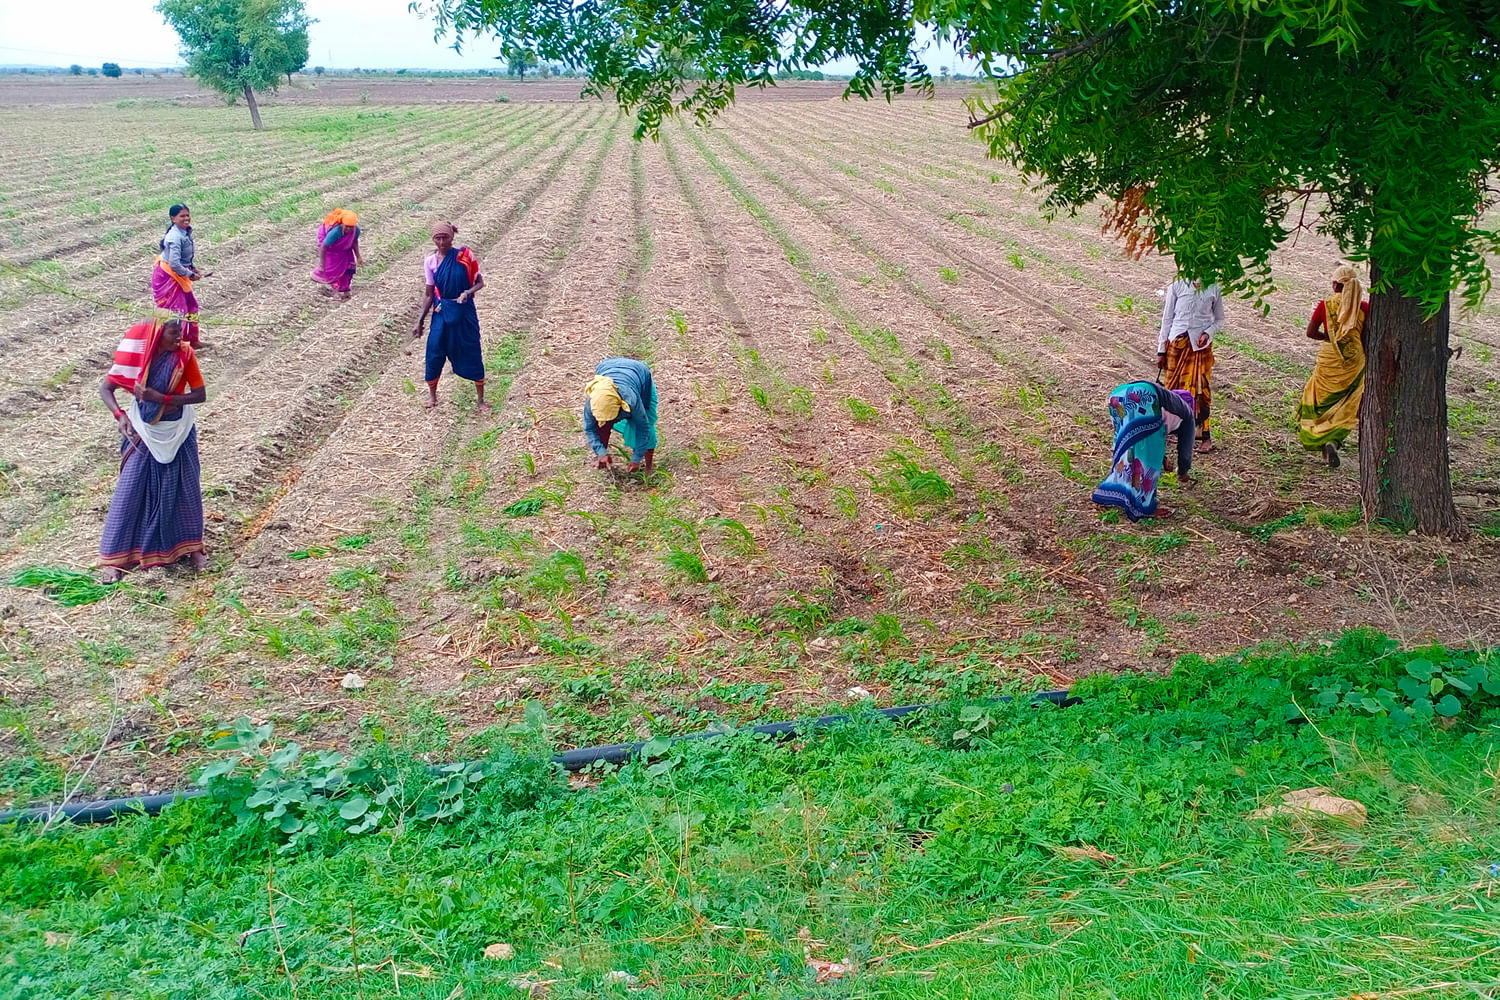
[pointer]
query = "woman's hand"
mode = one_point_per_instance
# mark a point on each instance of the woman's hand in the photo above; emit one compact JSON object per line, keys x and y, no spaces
{"x":603,"y":461}
{"x":416,"y":331}
{"x":465,"y":295}
{"x":1202,"y":341}
{"x":148,"y":394}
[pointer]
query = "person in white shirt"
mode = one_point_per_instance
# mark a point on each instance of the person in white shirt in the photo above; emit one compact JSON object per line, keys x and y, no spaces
{"x":1190,"y":317}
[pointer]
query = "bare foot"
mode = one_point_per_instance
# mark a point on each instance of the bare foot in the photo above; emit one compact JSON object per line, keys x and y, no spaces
{"x":344,"y":296}
{"x":1164,"y":512}
{"x":1204,"y":447}
{"x":111,"y":574}
{"x":430,"y":402}
{"x":198,"y":560}
{"x":484,"y":407}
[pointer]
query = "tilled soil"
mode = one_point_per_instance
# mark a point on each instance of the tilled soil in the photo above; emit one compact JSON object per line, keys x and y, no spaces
{"x":881,"y":376}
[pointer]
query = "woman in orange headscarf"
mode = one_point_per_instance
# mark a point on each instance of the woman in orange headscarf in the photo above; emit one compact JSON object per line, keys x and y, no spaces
{"x":1330,"y":401}
{"x":338,"y":252}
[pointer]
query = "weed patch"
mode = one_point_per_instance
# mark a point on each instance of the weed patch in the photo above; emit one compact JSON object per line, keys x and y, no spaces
{"x":1096,"y":832}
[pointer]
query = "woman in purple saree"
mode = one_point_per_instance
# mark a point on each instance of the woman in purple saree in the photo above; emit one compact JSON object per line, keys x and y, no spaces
{"x":156,"y":515}
{"x":338,"y":252}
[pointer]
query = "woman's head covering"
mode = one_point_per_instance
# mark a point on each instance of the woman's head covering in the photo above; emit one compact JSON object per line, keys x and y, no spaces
{"x":340,"y":217}
{"x":1349,"y":298}
{"x":445,"y":227}
{"x":604,"y":398}
{"x":137,"y":348}
{"x":1187,"y":397}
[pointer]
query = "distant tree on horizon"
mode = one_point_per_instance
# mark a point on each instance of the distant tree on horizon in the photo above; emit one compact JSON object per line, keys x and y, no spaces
{"x":111,"y":70}
{"x":75,"y":70}
{"x":518,"y":61}
{"x":237,"y":47}
{"x":317,"y":70}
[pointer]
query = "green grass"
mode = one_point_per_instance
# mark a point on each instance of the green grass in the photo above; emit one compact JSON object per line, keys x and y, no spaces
{"x":68,"y":587}
{"x":984,"y":851}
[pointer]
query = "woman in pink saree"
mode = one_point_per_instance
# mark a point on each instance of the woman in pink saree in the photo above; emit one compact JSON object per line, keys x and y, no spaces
{"x":174,"y":274}
{"x":338,"y":252}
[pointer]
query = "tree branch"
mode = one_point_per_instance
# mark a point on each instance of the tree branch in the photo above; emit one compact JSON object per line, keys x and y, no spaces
{"x":1076,"y":47}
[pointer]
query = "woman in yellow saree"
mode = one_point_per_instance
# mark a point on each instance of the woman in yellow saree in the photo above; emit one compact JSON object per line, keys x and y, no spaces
{"x":1330,"y":401}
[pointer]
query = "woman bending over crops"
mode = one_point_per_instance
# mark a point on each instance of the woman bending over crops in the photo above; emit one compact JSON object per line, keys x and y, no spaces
{"x":1329,"y":410}
{"x":174,"y":274}
{"x":1144,"y":413}
{"x":156,"y":515}
{"x":452,"y":279}
{"x":338,"y":252}
{"x":621,"y":393}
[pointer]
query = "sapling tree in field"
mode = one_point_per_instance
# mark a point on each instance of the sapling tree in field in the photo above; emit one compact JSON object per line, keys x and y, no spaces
{"x":1218,"y":128}
{"x":240,"y":46}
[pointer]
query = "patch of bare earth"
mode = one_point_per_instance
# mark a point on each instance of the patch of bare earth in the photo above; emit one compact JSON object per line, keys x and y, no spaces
{"x":881,"y":380}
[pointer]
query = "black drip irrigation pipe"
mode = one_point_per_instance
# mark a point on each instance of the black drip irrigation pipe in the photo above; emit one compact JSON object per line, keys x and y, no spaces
{"x":108,"y":810}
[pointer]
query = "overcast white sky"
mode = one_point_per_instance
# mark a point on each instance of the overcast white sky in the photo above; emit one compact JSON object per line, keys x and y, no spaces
{"x":373,"y":34}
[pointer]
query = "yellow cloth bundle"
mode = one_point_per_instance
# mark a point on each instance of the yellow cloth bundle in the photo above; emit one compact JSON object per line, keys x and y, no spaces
{"x":604,"y":398}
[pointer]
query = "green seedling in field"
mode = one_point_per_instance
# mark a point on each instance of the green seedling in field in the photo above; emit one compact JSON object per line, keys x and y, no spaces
{"x":557,"y":574}
{"x":685,"y":564}
{"x":803,"y":616}
{"x":493,"y":540}
{"x":758,"y":393}
{"x":908,"y":485}
{"x":737,"y":537}
{"x":1016,"y":261}
{"x":355,"y":579}
{"x":863,"y":412}
{"x":948,"y":274}
{"x":525,"y":507}
{"x":845,"y":501}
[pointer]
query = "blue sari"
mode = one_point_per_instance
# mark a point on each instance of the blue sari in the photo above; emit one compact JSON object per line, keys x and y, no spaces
{"x":156,"y":515}
{"x":454,"y":335}
{"x":1140,"y":447}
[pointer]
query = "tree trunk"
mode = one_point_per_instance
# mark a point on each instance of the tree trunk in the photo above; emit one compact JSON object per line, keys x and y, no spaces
{"x":1403,"y":421}
{"x":254,"y":108}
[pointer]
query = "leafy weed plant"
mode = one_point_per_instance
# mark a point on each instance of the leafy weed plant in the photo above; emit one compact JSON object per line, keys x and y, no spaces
{"x":1112,"y":840}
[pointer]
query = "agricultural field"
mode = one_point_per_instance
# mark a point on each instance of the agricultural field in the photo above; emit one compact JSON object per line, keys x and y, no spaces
{"x":882,"y":379}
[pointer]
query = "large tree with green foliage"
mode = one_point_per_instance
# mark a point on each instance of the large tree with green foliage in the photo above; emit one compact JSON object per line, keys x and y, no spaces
{"x":1217,"y":127}
{"x":240,"y":46}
